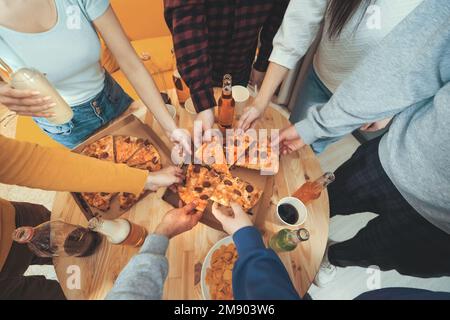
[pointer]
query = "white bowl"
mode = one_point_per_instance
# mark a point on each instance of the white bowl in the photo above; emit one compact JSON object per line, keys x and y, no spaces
{"x":207,"y":264}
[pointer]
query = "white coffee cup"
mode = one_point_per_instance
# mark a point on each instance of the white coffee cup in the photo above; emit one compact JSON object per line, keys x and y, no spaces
{"x":299,"y":206}
{"x":241,"y":96}
{"x":189,"y":106}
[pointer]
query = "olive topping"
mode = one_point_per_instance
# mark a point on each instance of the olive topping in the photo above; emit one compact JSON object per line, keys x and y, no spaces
{"x":206,"y":184}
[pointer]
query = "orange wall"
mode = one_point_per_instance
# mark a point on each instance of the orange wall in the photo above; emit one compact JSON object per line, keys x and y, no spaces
{"x":141,"y":18}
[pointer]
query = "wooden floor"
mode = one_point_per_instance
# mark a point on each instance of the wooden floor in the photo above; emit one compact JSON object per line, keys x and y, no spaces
{"x":349,"y":283}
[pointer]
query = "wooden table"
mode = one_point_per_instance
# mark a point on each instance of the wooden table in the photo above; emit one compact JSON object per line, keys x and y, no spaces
{"x":187,"y":251}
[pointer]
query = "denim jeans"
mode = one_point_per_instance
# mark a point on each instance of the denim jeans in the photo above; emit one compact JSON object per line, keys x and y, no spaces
{"x":90,"y":116}
{"x":313,"y":92}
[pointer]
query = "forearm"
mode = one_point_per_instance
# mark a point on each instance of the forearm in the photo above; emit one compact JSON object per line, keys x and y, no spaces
{"x":259,"y":274}
{"x":274,"y":77}
{"x":143,"y":83}
{"x":31,"y":165}
{"x":144,"y":276}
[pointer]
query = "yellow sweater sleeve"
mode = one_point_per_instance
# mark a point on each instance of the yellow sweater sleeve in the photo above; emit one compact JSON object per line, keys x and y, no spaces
{"x":30,"y":165}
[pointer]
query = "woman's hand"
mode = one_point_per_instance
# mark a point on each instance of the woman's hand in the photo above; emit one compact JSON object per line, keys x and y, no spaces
{"x":164,"y":178}
{"x":289,"y":141}
{"x":378,"y":125}
{"x":182,"y":138}
{"x":251,"y":114}
{"x":178,"y":221}
{"x":232,"y":219}
{"x":26,"y":102}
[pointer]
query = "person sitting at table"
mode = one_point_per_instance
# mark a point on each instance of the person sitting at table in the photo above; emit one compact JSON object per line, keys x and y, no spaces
{"x":402,"y":177}
{"x":349,"y":34}
{"x":214,"y":38}
{"x":258,"y":273}
{"x":30,"y":165}
{"x":59,"y":38}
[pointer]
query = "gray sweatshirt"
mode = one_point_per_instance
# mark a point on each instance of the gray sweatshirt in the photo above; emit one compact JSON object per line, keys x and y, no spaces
{"x":144,"y":276}
{"x":407,"y":76}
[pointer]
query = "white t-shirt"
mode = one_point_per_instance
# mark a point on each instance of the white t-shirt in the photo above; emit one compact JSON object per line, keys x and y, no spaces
{"x":335,"y":59}
{"x":69,"y":53}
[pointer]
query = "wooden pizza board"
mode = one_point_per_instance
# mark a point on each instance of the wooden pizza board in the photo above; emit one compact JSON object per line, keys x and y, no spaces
{"x":128,"y":126}
{"x":254,"y":177}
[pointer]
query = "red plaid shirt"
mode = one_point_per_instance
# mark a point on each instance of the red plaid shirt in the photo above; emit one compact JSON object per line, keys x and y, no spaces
{"x":216,"y":37}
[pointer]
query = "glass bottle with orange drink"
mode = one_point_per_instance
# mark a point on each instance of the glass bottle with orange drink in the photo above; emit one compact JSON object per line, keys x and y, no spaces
{"x":312,"y":190}
{"x":226,"y":104}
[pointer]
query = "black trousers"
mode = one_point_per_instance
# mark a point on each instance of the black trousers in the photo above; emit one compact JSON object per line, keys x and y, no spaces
{"x":398,"y":238}
{"x":13,"y":284}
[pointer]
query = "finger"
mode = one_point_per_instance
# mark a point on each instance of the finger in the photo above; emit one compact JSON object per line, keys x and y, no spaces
{"x":207,"y":136}
{"x":19,"y":107}
{"x":189,"y":208}
{"x":36,"y":115}
{"x":237,"y":209}
{"x":20,"y":94}
{"x":242,"y":121}
{"x":196,"y":217}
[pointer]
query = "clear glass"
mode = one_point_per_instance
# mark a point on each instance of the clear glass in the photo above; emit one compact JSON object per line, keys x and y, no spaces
{"x":31,"y":79}
{"x":58,"y":239}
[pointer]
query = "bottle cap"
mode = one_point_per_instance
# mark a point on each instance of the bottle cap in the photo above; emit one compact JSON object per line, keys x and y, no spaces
{"x":23,"y":235}
{"x":303,"y":234}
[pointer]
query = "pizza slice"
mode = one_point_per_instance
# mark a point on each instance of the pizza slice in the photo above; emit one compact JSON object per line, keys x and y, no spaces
{"x":143,"y":156}
{"x":126,"y":147}
{"x":102,"y":149}
{"x":233,"y":189}
{"x":212,"y":154}
{"x":127,"y":200}
{"x":200,"y":185}
{"x":101,"y":200}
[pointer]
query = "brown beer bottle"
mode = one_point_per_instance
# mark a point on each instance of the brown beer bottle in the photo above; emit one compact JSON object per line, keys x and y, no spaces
{"x":312,"y":190}
{"x":226,"y":104}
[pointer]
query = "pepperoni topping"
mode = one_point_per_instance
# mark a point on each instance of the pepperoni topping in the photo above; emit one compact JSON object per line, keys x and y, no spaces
{"x":237,"y":192}
{"x":197,"y":168}
{"x":104,"y":155}
{"x":206,"y":184}
{"x":249,"y":188}
{"x":198,"y":190}
{"x":204,"y":197}
{"x":228,"y":182}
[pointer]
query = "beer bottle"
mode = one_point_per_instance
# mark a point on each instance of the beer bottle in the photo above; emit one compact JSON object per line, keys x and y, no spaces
{"x":287,"y":240}
{"x":58,"y":239}
{"x":120,"y":231}
{"x":311,"y":191}
{"x":226,"y":104}
{"x":183,"y":92}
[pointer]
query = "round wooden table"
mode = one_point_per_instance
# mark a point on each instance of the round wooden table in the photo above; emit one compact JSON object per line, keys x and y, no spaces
{"x":187,"y":252}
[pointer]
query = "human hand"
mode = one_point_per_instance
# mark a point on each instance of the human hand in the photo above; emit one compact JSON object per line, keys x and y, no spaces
{"x":256,"y":78}
{"x":232,"y":219}
{"x":207,"y":119}
{"x":251,"y":114}
{"x":26,"y":102}
{"x":288,"y":141}
{"x":164,"y":178}
{"x":178,"y":221}
{"x":375,"y":126}
{"x":182,"y":140}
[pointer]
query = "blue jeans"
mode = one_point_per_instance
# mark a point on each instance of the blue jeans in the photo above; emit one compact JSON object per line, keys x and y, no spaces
{"x":90,"y":116}
{"x":312,"y":93}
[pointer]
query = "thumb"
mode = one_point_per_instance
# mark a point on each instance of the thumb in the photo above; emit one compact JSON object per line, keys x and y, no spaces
{"x":218,"y":213}
{"x":189,"y":208}
{"x":237,"y":209}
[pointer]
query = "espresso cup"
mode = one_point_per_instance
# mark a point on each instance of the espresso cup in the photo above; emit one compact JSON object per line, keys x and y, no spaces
{"x":299,"y":206}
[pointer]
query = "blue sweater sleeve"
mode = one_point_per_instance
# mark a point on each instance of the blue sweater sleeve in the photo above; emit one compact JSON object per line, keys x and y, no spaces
{"x":259,"y":274}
